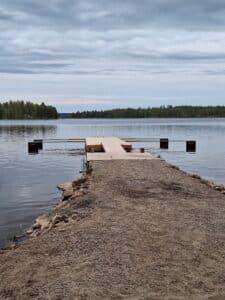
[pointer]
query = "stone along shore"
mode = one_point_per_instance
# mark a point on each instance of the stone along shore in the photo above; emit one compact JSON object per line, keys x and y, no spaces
{"x":133,"y":229}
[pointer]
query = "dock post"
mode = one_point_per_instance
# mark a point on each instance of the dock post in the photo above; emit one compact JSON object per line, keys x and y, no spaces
{"x":164,"y":143}
{"x":32,"y":148}
{"x":39,"y":144}
{"x":191,"y":146}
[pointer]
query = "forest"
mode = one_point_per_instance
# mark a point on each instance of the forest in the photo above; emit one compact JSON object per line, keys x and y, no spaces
{"x":156,"y":112}
{"x":27,"y":110}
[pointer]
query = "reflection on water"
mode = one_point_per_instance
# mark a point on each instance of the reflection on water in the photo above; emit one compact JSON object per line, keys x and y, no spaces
{"x":28,"y":182}
{"x":27,"y":131}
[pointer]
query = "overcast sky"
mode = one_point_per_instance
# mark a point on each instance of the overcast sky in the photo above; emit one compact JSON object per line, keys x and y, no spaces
{"x":85,"y":54}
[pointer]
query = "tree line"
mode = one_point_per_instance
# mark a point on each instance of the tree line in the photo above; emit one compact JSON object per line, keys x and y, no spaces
{"x":27,"y":110}
{"x":156,"y":112}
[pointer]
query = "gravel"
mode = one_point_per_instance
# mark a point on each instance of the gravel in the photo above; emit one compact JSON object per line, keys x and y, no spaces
{"x":142,"y":230}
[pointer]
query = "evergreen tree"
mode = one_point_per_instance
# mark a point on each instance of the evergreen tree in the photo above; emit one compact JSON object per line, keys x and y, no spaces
{"x":156,"y":112}
{"x":27,"y":110}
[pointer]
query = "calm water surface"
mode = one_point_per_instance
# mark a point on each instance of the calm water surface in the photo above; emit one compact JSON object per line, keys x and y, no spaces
{"x":28,"y":182}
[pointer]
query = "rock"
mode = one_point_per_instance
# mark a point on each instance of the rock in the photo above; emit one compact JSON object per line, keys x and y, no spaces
{"x":78,"y":182}
{"x":210,"y":184}
{"x":65,"y":186}
{"x":67,"y":194}
{"x":41,"y":223}
{"x":61,"y":204}
{"x":85,"y":185}
{"x":46,"y":225}
{"x":219,"y":188}
{"x":204,"y":181}
{"x":29,"y":231}
{"x":77,"y":194}
{"x":36,"y":226}
{"x":59,"y":218}
{"x":83,"y":191}
{"x":174,"y":167}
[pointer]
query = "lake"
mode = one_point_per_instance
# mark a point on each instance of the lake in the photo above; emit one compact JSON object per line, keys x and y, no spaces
{"x":28,"y":182}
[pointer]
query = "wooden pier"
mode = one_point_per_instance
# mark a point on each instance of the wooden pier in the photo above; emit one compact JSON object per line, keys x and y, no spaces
{"x":111,"y":148}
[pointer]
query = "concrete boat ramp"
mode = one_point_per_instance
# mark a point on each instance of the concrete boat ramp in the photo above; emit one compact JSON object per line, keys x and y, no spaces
{"x":112,"y":148}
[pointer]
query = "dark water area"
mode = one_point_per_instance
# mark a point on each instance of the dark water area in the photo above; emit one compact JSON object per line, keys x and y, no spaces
{"x":28,"y":182}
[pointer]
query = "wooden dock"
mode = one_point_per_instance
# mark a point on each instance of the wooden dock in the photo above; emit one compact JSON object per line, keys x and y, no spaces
{"x":111,"y":148}
{"x":106,"y":148}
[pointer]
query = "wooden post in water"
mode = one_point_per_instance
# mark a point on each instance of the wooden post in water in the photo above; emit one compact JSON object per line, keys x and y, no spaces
{"x":191,"y":146}
{"x":39,"y":144}
{"x":32,"y":148}
{"x":164,"y":143}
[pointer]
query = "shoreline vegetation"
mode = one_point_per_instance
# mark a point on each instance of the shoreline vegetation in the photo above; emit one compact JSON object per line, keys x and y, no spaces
{"x":154,"y":112}
{"x":122,"y":232}
{"x":20,"y":110}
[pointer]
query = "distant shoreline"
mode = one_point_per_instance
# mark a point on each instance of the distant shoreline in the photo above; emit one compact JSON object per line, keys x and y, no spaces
{"x":20,"y":110}
{"x":120,"y":118}
{"x":154,"y":112}
{"x":114,"y":118}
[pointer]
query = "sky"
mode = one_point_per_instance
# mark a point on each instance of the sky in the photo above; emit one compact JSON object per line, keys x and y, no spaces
{"x":101,"y":54}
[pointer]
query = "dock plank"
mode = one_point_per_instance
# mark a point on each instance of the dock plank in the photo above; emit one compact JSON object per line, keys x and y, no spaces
{"x":111,"y":148}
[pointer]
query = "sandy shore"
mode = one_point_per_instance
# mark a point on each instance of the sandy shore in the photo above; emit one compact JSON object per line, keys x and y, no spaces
{"x":133,"y":230}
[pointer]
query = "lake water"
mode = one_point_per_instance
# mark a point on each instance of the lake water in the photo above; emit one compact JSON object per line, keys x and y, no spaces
{"x":28,"y":182}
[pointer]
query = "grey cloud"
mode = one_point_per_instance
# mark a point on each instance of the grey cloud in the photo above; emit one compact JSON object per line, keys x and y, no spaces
{"x":178,"y":57}
{"x":94,"y":37}
{"x":104,"y":14}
